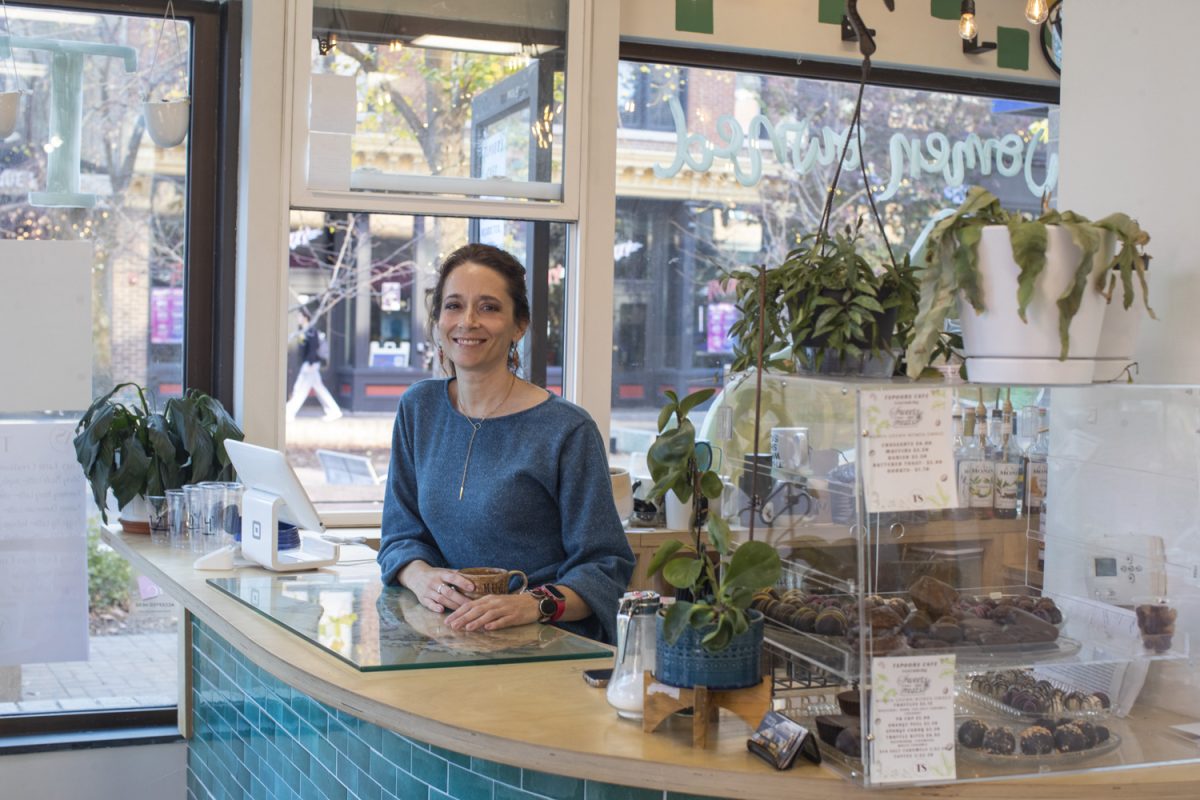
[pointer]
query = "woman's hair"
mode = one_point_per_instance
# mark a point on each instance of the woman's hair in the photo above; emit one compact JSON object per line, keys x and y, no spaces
{"x":494,"y":259}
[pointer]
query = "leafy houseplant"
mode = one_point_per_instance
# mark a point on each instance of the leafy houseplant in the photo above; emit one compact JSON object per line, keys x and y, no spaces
{"x":720,"y":598}
{"x":824,"y":300}
{"x":135,"y":450}
{"x":952,"y":266}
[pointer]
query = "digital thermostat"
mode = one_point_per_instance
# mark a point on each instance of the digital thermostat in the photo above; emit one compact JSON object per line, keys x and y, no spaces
{"x":1123,"y":567}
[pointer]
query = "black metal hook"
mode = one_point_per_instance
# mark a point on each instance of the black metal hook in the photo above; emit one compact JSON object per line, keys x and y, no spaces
{"x":865,"y":35}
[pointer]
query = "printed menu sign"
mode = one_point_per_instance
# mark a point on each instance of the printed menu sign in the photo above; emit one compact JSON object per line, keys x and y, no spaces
{"x":912,"y":719}
{"x":909,"y":452}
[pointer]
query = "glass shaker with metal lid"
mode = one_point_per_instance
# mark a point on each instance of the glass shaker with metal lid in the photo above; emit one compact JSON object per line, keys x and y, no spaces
{"x":635,"y":651}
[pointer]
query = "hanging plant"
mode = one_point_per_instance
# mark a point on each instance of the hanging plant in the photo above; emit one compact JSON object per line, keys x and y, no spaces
{"x":167,"y":115}
{"x":10,"y":100}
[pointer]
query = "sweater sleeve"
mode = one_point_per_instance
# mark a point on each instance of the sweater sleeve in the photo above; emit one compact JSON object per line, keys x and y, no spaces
{"x":404,"y":535}
{"x":599,"y":560}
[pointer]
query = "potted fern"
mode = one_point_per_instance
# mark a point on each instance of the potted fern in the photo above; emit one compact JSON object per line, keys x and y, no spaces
{"x":710,"y":636}
{"x":826,"y":309}
{"x":138,"y":451}
{"x":1030,"y":293}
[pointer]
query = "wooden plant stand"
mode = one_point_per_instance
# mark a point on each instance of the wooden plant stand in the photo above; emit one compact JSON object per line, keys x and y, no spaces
{"x":661,"y":701}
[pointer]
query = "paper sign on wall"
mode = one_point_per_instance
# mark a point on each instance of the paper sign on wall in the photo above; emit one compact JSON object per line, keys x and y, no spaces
{"x":912,"y":719}
{"x":43,"y":545}
{"x":908,"y":450}
{"x":45,"y":326}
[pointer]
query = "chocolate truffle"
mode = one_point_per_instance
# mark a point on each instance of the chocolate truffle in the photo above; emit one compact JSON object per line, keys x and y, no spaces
{"x":917,"y":622}
{"x":1069,"y":739}
{"x":1089,"y":733}
{"x":1105,"y":702}
{"x":999,"y":741}
{"x":1036,"y":741}
{"x":830,"y":622}
{"x":971,"y":733}
{"x":899,"y":605}
{"x":933,"y":596}
{"x":849,"y":741}
{"x":883,"y":618}
{"x":1101,"y":734}
{"x":1044,"y":722}
{"x":806,"y":619}
{"x":947,"y":630}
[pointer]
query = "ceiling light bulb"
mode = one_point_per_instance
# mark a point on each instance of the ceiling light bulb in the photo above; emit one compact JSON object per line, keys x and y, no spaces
{"x":966,"y":27}
{"x":1036,"y":11}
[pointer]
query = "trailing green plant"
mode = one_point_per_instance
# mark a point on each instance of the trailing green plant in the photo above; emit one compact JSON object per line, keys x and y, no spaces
{"x":109,"y":575}
{"x":720,"y":597}
{"x":824,"y":297}
{"x":136,"y":450}
{"x":952,"y":266}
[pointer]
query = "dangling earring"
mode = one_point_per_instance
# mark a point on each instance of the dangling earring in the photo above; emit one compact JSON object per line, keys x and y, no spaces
{"x":514,"y":357}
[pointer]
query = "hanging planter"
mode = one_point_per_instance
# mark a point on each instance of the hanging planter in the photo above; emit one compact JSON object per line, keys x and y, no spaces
{"x":10,"y":101}
{"x":167,"y":115}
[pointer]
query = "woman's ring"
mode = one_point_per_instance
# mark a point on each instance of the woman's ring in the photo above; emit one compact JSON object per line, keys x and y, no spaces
{"x":441,"y":588}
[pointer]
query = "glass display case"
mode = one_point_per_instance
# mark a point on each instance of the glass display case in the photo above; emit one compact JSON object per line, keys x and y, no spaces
{"x":1034,"y":551}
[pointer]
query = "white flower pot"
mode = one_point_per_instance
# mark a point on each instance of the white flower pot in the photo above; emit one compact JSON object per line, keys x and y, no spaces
{"x":1118,"y":335}
{"x":622,"y":488}
{"x":10,"y":104}
{"x":999,"y":347}
{"x":167,"y":120}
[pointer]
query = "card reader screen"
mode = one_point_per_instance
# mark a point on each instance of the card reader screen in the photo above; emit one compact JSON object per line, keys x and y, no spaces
{"x":1106,"y":567}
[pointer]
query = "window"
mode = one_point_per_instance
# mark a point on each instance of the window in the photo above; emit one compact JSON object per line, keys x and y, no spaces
{"x":742,"y":175}
{"x":144,"y":273}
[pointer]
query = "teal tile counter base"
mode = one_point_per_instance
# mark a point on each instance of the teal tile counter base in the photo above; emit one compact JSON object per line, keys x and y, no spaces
{"x":256,"y":737}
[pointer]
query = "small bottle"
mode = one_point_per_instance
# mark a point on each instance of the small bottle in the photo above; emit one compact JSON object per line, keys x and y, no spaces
{"x":978,"y":471}
{"x":1007,"y":459}
{"x":962,"y":429}
{"x":1037,"y":469}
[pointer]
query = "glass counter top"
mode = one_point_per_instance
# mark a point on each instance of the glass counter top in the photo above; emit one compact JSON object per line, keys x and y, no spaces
{"x":374,"y":627}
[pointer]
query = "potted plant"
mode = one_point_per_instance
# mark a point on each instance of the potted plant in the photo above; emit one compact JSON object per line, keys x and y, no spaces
{"x":827,"y":308}
{"x":1030,"y":292}
{"x":710,"y":637}
{"x":168,"y":113}
{"x":140,"y":452}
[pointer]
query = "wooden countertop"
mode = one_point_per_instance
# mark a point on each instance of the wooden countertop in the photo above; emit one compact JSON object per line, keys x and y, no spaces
{"x":543,"y":716}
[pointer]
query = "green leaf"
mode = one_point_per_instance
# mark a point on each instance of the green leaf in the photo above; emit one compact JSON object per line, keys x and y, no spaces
{"x":718,"y":533}
{"x":719,"y":637}
{"x":1087,"y":239}
{"x":675,"y":621}
{"x":662,"y":555}
{"x":869,"y":303}
{"x":664,"y":416}
{"x":1029,"y":241}
{"x":682,"y":573}
{"x":701,"y":616}
{"x":966,"y":266}
{"x":694,"y":399}
{"x":710,"y":485}
{"x":755,"y":565}
{"x":128,"y":480}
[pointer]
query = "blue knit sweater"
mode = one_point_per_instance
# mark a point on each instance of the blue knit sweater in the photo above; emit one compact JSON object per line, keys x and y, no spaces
{"x":538,"y":498}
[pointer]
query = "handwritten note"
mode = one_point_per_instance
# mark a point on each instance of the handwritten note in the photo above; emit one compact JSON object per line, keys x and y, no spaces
{"x":912,"y":719}
{"x":907,"y":441}
{"x":43,"y":545}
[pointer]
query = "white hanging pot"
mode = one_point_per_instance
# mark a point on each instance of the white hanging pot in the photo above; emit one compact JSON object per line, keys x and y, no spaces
{"x":167,"y":120}
{"x":10,"y":104}
{"x":999,"y":347}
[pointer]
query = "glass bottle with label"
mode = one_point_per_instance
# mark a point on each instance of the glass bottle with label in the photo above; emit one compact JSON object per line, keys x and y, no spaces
{"x":960,"y":432}
{"x":977,"y":470}
{"x":1007,"y":458}
{"x":1037,"y":468}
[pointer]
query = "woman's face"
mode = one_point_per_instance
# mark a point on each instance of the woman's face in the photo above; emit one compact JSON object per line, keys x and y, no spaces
{"x":477,"y":323}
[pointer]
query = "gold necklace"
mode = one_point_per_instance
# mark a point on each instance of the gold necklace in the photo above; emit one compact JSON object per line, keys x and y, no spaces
{"x":475,"y":426}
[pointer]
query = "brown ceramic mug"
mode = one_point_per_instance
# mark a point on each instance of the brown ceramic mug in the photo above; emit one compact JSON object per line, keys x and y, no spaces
{"x":491,"y":580}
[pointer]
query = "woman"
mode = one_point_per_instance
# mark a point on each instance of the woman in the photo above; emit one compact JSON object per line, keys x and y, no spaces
{"x":488,"y":470}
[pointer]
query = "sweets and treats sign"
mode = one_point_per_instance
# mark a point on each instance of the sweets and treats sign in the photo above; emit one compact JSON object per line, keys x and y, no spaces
{"x":912,"y":719}
{"x":907,"y":450}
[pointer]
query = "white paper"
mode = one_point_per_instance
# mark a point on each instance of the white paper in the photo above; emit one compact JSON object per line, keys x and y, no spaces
{"x":45,"y":326}
{"x":909,"y":450}
{"x":912,"y":719}
{"x":43,"y":545}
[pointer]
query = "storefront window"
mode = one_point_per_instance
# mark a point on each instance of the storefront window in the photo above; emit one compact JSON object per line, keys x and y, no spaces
{"x":100,"y":182}
{"x":740,"y":175}
{"x":364,"y":280}
{"x":461,"y":100}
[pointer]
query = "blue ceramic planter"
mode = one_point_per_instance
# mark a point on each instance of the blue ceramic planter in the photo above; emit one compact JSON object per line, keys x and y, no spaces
{"x":686,"y":663}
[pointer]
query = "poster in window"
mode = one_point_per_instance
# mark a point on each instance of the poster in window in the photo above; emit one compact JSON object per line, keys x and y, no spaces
{"x":389,"y":296}
{"x":720,"y":318}
{"x":166,"y":315}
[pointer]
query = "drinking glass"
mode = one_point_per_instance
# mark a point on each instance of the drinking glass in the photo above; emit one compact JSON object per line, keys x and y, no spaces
{"x":214,"y":514}
{"x":197,"y":522}
{"x":177,"y":518}
{"x":232,"y":519}
{"x":159,"y":526}
{"x":1027,"y":423}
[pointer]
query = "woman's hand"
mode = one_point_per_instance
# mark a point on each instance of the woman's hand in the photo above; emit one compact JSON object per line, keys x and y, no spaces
{"x":494,"y":611}
{"x":437,"y":589}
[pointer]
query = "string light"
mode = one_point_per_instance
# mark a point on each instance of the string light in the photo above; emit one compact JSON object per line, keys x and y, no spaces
{"x":967,"y":28}
{"x":1036,"y":11}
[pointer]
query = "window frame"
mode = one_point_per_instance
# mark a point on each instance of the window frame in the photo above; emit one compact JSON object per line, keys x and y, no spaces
{"x":208,"y":347}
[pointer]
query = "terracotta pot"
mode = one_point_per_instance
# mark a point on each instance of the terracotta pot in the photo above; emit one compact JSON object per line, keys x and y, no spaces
{"x":167,"y":120}
{"x":135,"y":516}
{"x":10,"y":103}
